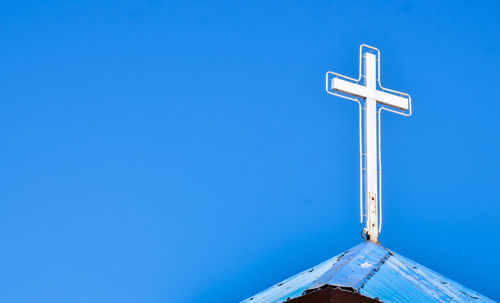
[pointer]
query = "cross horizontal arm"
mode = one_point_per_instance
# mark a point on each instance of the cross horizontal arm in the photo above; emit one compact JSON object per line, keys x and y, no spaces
{"x":364,"y":92}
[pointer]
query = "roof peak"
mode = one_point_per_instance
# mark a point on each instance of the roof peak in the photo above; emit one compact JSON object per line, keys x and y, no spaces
{"x":366,"y":258}
{"x":373,"y":271}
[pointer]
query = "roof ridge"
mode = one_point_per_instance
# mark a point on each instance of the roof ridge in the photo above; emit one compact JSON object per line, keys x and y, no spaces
{"x":366,"y":257}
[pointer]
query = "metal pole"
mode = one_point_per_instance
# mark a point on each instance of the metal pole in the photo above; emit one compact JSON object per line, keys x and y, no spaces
{"x":371,"y":182}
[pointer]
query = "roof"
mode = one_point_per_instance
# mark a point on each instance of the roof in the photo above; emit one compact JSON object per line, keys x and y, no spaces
{"x":373,"y":271}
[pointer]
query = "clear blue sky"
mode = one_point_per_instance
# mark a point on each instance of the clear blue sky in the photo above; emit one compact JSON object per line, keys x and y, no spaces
{"x":154,"y":151}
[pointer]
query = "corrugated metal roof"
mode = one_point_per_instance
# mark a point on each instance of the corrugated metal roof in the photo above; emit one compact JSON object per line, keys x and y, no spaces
{"x":375,"y":272}
{"x":294,"y":287}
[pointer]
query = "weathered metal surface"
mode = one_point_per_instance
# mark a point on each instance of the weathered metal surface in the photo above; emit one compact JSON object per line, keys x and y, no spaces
{"x":401,"y":279}
{"x":375,"y":272}
{"x":355,"y":266}
{"x":293,"y":287}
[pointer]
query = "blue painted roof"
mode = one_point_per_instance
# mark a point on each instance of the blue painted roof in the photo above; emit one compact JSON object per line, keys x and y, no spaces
{"x":375,"y":272}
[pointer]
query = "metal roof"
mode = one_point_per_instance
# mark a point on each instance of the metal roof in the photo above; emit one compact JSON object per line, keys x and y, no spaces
{"x":375,"y":272}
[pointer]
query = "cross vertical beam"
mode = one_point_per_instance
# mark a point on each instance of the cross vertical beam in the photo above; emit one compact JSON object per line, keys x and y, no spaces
{"x":371,"y":173}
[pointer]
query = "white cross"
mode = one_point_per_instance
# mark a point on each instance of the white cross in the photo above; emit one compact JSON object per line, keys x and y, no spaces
{"x":401,"y":103}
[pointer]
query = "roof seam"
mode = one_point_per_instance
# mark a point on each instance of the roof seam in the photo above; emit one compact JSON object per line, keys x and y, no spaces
{"x":373,"y":270}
